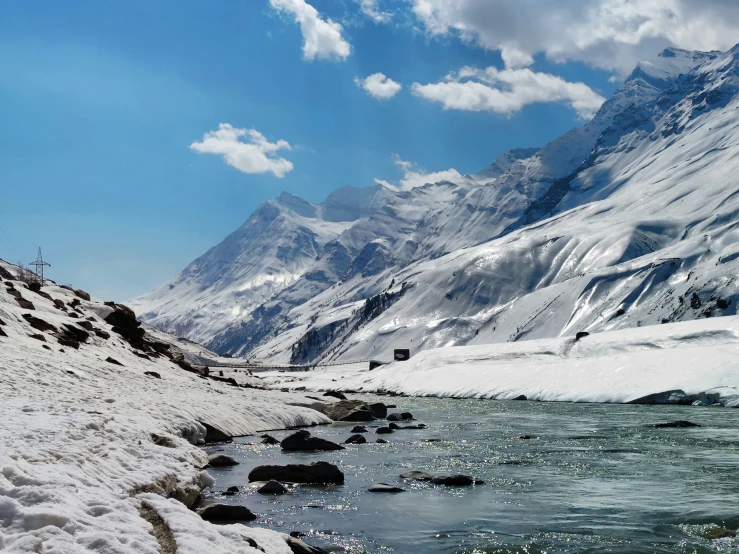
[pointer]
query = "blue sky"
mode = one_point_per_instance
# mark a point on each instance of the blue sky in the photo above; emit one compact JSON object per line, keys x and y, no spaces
{"x":102,"y":100}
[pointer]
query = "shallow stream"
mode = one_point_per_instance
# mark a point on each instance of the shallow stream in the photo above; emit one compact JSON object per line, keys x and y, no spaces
{"x":596,"y":478}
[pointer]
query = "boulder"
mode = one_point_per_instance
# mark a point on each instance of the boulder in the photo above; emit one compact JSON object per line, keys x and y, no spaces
{"x":349,"y":410}
{"x":679,"y":423}
{"x":273,"y":487}
{"x":521,"y":397}
{"x":226,"y":512}
{"x":384,"y":487}
{"x":64,"y":341}
{"x":379,"y":410}
{"x":384,"y":431}
{"x":417,"y":475}
{"x":527,"y":437}
{"x":75,"y":333}
{"x":221,"y":460}
{"x":102,"y":334}
{"x":359,"y":429}
{"x":453,"y":480}
{"x":335,"y":394}
{"x":154,"y":374}
{"x":299,"y":547}
{"x":381,"y":441}
{"x":316,"y":473}
{"x":82,"y":294}
{"x":269,"y":439}
{"x":396,"y":427}
{"x":355,"y":439}
{"x":38,"y":337}
{"x":404,"y":416}
{"x":39,"y":324}
{"x":213,"y":435}
{"x":112,"y":361}
{"x":303,"y":441}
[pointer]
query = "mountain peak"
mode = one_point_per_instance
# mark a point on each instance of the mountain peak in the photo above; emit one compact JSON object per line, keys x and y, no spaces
{"x":296,"y":204}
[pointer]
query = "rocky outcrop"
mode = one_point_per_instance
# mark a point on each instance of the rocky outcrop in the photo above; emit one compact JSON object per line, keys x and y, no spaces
{"x":226,"y":512}
{"x":349,"y":410}
{"x":316,"y":473}
{"x":303,"y":441}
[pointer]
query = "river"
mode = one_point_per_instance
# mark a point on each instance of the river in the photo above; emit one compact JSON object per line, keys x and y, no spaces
{"x":592,"y":478}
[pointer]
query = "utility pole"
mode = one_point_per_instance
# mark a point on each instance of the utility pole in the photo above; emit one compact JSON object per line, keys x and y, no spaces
{"x":40,"y":264}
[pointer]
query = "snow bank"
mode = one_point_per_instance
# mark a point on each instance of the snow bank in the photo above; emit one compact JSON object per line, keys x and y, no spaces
{"x":86,"y":443}
{"x":620,"y":366}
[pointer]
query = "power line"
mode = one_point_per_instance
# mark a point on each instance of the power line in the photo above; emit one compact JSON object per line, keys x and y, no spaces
{"x":40,"y":264}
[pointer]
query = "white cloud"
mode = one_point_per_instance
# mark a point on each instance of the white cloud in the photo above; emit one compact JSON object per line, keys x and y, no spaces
{"x":413,"y":176}
{"x":379,"y":86}
{"x":321,"y":37}
{"x":610,"y":34}
{"x":256,"y":155}
{"x":371,"y":10}
{"x":507,"y":91}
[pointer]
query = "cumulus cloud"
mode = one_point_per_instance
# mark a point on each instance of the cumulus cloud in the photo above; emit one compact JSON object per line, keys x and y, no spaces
{"x":379,"y":86}
{"x":322,"y":38}
{"x":609,"y":34}
{"x":255,"y":155}
{"x":371,"y":10}
{"x":507,"y":91}
{"x":414,"y":176}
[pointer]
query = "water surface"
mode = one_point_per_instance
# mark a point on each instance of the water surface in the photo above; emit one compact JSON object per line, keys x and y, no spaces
{"x":596,"y":478}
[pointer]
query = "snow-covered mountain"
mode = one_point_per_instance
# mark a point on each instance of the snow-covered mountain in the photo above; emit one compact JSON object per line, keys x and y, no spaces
{"x":627,"y":221}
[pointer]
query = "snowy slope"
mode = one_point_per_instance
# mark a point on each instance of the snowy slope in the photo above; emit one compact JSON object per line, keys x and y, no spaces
{"x":692,"y":359}
{"x":86,"y":444}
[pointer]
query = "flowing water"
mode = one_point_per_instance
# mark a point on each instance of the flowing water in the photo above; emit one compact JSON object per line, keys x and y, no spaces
{"x":594,"y":478}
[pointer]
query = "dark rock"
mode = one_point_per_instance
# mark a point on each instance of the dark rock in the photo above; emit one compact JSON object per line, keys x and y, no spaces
{"x":5,"y":274}
{"x":527,"y":437}
{"x":299,"y":547}
{"x":75,"y":302}
{"x":581,"y":335}
{"x":269,"y":439}
{"x":384,"y":431}
{"x":213,"y":435}
{"x":74,"y":315}
{"x":384,"y":487}
{"x":521,"y":397}
{"x":676,"y":396}
{"x":722,"y":304}
{"x":75,"y":333}
{"x":226,"y":512}
{"x":25,"y":304}
{"x":34,"y":286}
{"x":433,"y":440}
{"x":141,"y":355}
{"x":102,"y":334}
{"x":2,"y":323}
{"x":714,"y":533}
{"x":85,"y":325}
{"x":316,"y":473}
{"x":64,"y":341}
{"x":335,"y":394}
{"x":396,"y":427}
{"x":359,"y":429}
{"x":153,"y":374}
{"x":417,"y":475}
{"x":82,"y":294}
{"x":453,"y":480}
{"x":355,"y":439}
{"x":3,"y":333}
{"x":113,"y":361}
{"x":379,"y":410}
{"x":304,"y":441}
{"x":228,"y":493}
{"x":273,"y":487}
{"x":221,"y":460}
{"x":233,"y":489}
{"x":679,"y":424}
{"x":38,"y":337}
{"x":381,"y":441}
{"x":297,"y":534}
{"x":46,"y":346}
{"x":405,"y":416}
{"x":59,"y":303}
{"x":390,"y":406}
{"x":349,"y":410}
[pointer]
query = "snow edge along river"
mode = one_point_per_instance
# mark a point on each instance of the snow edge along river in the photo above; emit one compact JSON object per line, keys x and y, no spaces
{"x":696,"y":361}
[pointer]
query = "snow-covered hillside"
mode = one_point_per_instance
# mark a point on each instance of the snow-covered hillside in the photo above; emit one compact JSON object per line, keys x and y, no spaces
{"x":627,"y":221}
{"x":99,"y":428}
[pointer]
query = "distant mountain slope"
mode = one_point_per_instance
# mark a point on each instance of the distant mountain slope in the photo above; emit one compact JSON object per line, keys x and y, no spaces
{"x":626,"y":221}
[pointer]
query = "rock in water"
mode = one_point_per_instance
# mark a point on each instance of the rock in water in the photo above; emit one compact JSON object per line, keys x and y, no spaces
{"x":269,"y":439}
{"x":349,"y":410}
{"x":359,"y":429}
{"x":381,"y":441}
{"x":213,"y":435}
{"x":355,"y":439}
{"x":453,"y":480}
{"x":405,"y":416}
{"x":335,"y":394}
{"x":679,"y":423}
{"x":417,"y":475}
{"x":379,"y":410}
{"x":226,"y":512}
{"x":221,"y":460}
{"x":318,"y":473}
{"x":299,"y":547}
{"x":384,"y":487}
{"x":521,"y":397}
{"x":273,"y":487}
{"x":303,"y":441}
{"x":384,"y":431}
